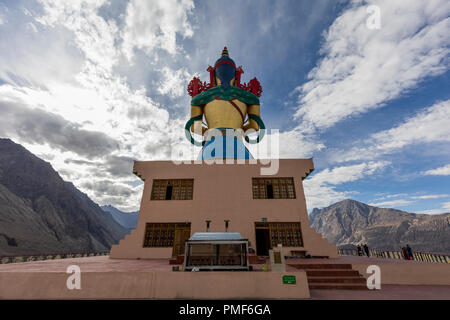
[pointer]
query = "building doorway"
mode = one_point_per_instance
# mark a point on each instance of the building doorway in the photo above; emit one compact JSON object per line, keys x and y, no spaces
{"x":262,"y":241}
{"x":182,"y":234}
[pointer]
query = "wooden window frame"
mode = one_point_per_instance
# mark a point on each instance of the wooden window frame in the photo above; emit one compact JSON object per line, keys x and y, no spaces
{"x":182,"y":189}
{"x":161,"y":234}
{"x":289,"y":234}
{"x":282,"y":188}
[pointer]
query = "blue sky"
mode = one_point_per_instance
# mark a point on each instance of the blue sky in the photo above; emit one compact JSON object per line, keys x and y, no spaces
{"x":91,"y":85}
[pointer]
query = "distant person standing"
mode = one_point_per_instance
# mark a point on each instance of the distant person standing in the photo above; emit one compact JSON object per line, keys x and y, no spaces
{"x":405,"y":253}
{"x":409,"y":252}
{"x":359,"y":251}
{"x":366,"y":250}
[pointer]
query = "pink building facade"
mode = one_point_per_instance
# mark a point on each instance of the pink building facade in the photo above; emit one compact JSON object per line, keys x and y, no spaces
{"x":179,"y":200}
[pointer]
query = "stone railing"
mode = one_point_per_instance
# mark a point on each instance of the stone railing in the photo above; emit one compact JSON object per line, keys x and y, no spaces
{"x":391,"y":254}
{"x":50,"y":256}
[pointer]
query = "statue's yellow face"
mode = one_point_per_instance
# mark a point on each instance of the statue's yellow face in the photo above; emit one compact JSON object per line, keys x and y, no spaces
{"x":218,"y":82}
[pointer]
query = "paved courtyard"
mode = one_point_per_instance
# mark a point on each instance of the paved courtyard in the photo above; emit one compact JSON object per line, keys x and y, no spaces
{"x":105,"y":264}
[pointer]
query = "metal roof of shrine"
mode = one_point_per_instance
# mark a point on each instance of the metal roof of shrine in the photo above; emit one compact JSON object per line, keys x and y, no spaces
{"x":216,"y":236}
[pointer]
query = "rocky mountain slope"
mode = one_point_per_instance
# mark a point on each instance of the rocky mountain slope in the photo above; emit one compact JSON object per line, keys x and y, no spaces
{"x":127,"y":220}
{"x":353,"y":222}
{"x":42,"y":213}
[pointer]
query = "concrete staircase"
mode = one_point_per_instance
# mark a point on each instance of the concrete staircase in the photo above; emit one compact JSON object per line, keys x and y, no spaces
{"x":332,"y":276}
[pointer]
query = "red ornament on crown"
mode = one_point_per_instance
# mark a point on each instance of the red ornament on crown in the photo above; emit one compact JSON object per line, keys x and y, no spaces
{"x":196,"y":86}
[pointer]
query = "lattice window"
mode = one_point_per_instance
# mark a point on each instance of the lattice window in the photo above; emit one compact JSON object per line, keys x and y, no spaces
{"x":161,"y":234}
{"x":289,"y":234}
{"x":172,"y":189}
{"x":274,"y":188}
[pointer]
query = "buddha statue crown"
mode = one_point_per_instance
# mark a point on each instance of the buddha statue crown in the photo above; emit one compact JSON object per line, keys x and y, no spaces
{"x":225,"y":70}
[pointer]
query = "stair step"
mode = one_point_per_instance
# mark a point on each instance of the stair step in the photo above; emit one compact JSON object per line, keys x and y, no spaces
{"x":314,"y":280}
{"x":322,"y":266}
{"x":338,"y":286}
{"x":332,"y":273}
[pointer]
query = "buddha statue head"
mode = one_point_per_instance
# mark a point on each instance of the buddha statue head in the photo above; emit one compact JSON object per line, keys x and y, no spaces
{"x":224,"y":70}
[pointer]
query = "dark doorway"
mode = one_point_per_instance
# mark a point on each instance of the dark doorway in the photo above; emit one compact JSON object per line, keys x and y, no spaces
{"x":169,"y":193}
{"x":269,"y":191}
{"x":262,"y":242}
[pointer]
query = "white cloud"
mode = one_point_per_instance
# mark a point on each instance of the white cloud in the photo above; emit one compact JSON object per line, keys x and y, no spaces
{"x":285,"y":145}
{"x":432,"y":211}
{"x":362,"y":69}
{"x":407,"y":199}
{"x":350,"y":173}
{"x":445,"y":208}
{"x":320,"y":189}
{"x":431,"y":196}
{"x":151,"y":25}
{"x":93,"y":35}
{"x":393,"y":203}
{"x":174,"y":82}
{"x":446,"y":205}
{"x":442,"y":171}
{"x":429,"y":125}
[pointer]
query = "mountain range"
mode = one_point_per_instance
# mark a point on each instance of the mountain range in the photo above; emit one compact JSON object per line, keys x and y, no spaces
{"x":352,"y":222}
{"x":42,"y":213}
{"x":128,"y":220}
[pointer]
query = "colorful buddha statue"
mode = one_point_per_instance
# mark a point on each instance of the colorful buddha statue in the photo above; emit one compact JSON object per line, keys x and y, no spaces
{"x":229,"y":107}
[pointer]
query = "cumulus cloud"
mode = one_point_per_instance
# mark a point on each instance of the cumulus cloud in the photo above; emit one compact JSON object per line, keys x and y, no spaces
{"x":95,"y":36}
{"x":40,"y":127}
{"x":174,"y":82}
{"x":119,"y":166}
{"x":362,"y":69}
{"x":442,"y":171}
{"x":151,"y":25}
{"x":108,"y":188}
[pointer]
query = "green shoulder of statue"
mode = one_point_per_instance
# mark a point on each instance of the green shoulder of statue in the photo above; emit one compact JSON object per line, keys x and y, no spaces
{"x":229,"y":93}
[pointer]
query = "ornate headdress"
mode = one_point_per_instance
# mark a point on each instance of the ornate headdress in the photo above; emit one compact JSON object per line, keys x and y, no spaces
{"x":224,"y":69}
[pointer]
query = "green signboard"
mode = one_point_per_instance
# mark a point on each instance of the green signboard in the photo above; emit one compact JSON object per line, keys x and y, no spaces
{"x":288,"y":279}
{"x":264,"y":219}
